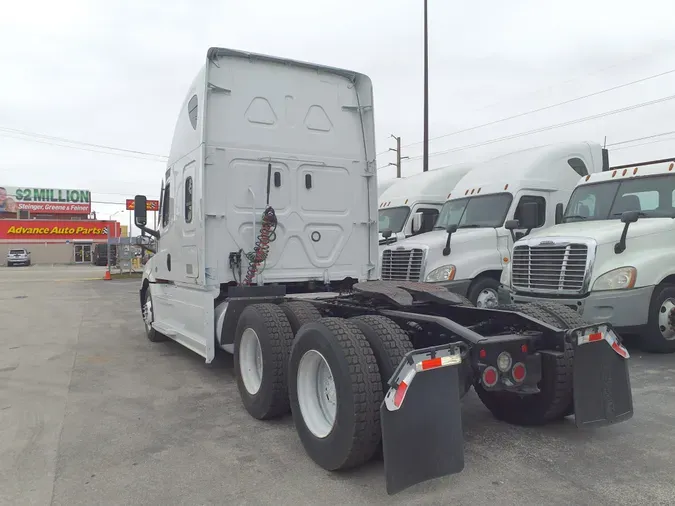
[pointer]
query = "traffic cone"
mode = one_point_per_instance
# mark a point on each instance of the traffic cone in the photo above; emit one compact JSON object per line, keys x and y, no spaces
{"x":107,"y":276}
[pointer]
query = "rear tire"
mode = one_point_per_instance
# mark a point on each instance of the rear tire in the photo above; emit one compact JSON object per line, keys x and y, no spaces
{"x":262,"y":344}
{"x":555,"y":399}
{"x":299,"y":313}
{"x":354,"y":434}
{"x":658,"y":336}
{"x":388,"y":341}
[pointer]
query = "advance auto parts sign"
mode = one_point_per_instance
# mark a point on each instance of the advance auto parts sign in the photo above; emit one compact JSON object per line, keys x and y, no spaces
{"x":57,"y":231}
{"x":45,"y":200}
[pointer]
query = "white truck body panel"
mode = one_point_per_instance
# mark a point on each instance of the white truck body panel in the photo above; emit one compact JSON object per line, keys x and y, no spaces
{"x":650,"y":249}
{"x":545,"y":173}
{"x":426,"y":191}
{"x":244,"y":111}
{"x":383,"y":185}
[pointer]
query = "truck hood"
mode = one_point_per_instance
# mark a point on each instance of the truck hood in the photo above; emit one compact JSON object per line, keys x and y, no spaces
{"x":606,"y":231}
{"x":437,"y":238}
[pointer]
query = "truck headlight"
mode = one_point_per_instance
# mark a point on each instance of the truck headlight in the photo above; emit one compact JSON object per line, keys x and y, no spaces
{"x":505,"y":278}
{"x":445,"y":273}
{"x":617,"y":279}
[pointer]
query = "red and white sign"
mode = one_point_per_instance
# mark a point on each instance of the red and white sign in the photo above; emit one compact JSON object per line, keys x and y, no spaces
{"x":58,"y":230}
{"x":150,"y":205}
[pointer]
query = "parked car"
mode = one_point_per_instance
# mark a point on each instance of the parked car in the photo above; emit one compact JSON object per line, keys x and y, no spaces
{"x":18,"y":257}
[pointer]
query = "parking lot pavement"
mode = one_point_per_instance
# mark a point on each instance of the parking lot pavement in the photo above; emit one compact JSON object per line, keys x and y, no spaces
{"x":93,"y":413}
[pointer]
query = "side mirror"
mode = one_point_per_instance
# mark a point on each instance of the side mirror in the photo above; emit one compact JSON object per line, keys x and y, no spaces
{"x":559,"y":213}
{"x":417,"y":223}
{"x":140,"y":211}
{"x":512,"y":224}
{"x":451,"y":229}
{"x":529,"y":214}
{"x":386,"y":233}
{"x":630,"y":216}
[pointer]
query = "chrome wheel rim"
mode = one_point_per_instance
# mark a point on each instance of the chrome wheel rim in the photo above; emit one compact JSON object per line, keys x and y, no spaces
{"x":667,"y":319}
{"x":250,"y":361}
{"x":487,"y":298}
{"x":317,"y":394}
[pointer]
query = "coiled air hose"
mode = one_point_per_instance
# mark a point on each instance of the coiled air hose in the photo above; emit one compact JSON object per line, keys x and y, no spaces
{"x":267,"y":234}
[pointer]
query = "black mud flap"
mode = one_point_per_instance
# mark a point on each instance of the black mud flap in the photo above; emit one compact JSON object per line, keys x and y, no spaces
{"x":422,"y":434}
{"x":602,"y":392}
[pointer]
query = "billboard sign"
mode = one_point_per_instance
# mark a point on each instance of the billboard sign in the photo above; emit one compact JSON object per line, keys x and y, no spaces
{"x":150,"y":205}
{"x":44,"y":200}
{"x":58,"y":231}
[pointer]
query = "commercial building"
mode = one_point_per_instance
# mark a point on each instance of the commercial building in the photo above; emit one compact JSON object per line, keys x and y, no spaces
{"x":56,"y":225}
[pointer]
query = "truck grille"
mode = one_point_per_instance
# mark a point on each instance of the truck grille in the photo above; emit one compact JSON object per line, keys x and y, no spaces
{"x":402,"y":264}
{"x":550,"y":267}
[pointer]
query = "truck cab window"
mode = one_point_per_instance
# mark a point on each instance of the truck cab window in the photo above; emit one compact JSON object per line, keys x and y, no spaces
{"x":541,"y":208}
{"x":188,"y":200}
{"x":166,"y":199}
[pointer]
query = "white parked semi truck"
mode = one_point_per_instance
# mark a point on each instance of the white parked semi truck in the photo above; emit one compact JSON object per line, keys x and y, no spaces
{"x":613,"y":256}
{"x":411,"y":206}
{"x":499,"y":199}
{"x":268,"y":210}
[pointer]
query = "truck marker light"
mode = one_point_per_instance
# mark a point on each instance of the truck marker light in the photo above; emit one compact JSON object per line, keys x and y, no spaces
{"x":635,"y":170}
{"x":406,"y":201}
{"x":671,"y":167}
{"x":506,"y":186}
{"x":504,"y":361}
{"x":604,"y":334}
{"x":613,"y":173}
{"x":518,"y":372}
{"x":588,"y":177}
{"x":478,"y":191}
{"x":434,"y":363}
{"x":400,"y":394}
{"x":523,"y":348}
{"x":624,"y":172}
{"x":506,"y":260}
{"x":467,"y":191}
{"x":482,"y":354}
{"x":490,"y":377}
{"x":449,"y":195}
{"x":472,"y":190}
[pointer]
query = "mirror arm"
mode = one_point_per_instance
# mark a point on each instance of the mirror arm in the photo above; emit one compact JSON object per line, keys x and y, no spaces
{"x":620,"y":246}
{"x":153,"y":233}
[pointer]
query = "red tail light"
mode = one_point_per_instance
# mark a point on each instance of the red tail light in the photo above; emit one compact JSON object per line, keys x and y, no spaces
{"x":518,"y":372}
{"x":490,"y":377}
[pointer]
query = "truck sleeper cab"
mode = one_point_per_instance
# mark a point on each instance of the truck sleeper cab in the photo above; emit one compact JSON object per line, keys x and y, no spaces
{"x":613,"y":256}
{"x":497,"y":200}
{"x":269,"y":202}
{"x":411,"y":206}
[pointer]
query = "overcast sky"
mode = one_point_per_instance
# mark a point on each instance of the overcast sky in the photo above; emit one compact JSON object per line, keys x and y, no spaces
{"x":116,"y":73}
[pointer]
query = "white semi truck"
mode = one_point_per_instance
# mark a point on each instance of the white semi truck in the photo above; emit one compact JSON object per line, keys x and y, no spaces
{"x":386,"y":183}
{"x":498,"y":200}
{"x":267,"y":212}
{"x":411,"y":206}
{"x":612,"y":257}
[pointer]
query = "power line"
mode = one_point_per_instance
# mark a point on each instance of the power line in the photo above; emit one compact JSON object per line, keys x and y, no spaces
{"x":80,"y":148}
{"x":640,"y":138}
{"x":71,"y":141}
{"x":672,"y":139}
{"x":550,"y":127}
{"x":533,"y":111}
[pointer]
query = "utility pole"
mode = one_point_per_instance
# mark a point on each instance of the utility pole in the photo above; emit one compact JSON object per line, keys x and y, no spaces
{"x":398,"y":155}
{"x":425,"y":155}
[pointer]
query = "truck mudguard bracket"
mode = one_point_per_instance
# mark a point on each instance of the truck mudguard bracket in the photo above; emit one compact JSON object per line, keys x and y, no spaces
{"x":421,"y":419}
{"x":602,"y":391}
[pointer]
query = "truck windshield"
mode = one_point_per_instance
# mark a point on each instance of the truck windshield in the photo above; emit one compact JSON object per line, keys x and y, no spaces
{"x":393,"y":218}
{"x":483,"y":211}
{"x":653,"y":196}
